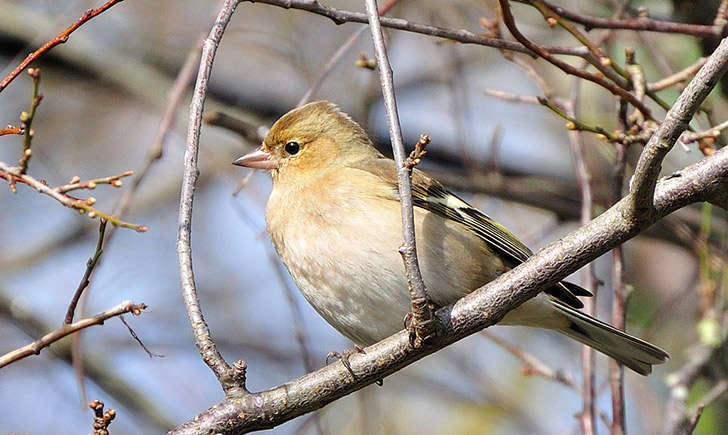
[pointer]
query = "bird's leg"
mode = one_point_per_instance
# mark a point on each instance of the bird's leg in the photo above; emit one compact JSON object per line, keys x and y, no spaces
{"x":344,"y":357}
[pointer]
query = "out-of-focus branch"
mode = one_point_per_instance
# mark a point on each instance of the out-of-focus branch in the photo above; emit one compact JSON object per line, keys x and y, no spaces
{"x":35,"y":347}
{"x":338,"y":54}
{"x":679,"y":77}
{"x":60,"y":39}
{"x":232,"y":379}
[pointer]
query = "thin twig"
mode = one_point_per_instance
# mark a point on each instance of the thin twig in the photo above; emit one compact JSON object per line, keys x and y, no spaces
{"x":340,"y":16}
{"x":335,"y":58}
{"x":60,"y":39}
{"x":583,"y":178}
{"x":533,"y":365}
{"x":421,"y":309}
{"x":35,"y":347}
{"x":510,"y":23}
{"x":86,"y":280}
{"x":13,"y":174}
{"x":678,"y":77}
{"x":27,"y":120}
{"x":230,"y":381}
{"x":642,"y":23}
{"x":9,"y":129}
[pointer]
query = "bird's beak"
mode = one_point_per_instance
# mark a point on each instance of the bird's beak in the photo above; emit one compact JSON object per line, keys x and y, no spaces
{"x":257,"y":159}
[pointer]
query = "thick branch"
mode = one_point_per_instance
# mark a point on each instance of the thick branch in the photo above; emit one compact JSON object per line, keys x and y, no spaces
{"x":675,"y":122}
{"x":480,"y":309}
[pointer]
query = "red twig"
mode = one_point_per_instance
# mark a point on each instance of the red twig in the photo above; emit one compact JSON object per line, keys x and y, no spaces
{"x":9,"y":129}
{"x":510,"y":23}
{"x":60,"y":39}
{"x":641,"y":23}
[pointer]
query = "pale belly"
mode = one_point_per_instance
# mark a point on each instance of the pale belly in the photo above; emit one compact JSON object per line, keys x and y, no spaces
{"x":351,"y":273}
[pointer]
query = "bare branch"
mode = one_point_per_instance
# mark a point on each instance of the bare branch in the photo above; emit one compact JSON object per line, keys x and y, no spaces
{"x":231,"y":378}
{"x":86,"y":280}
{"x":676,"y":121}
{"x":13,"y":174}
{"x":35,"y":347}
{"x":60,"y":39}
{"x":421,"y":305}
{"x":340,"y":16}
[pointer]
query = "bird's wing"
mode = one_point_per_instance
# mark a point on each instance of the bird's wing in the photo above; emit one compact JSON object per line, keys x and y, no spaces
{"x":429,"y":194}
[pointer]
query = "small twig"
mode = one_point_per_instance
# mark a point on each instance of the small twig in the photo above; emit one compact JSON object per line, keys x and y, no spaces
{"x":583,"y":176}
{"x":248,"y":131}
{"x":26,"y":119}
{"x":76,"y":184}
{"x":710,"y":133}
{"x":139,"y":340}
{"x":463,"y":36}
{"x":420,"y":151}
{"x":510,"y":23}
{"x":35,"y":347}
{"x":576,"y":125}
{"x":9,"y":129}
{"x":335,"y":58}
{"x":102,"y":419}
{"x":514,"y":98}
{"x":12,"y":174}
{"x":642,"y":23}
{"x":422,"y":312}
{"x":677,"y":77}
{"x":60,"y":39}
{"x":86,"y":279}
{"x":232,"y":379}
{"x":534,"y":366}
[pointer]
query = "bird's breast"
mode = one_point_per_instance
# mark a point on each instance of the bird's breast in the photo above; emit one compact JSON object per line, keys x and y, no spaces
{"x":342,"y":252}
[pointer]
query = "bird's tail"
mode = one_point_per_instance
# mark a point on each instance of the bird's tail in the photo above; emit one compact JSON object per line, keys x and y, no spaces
{"x":634,"y":353}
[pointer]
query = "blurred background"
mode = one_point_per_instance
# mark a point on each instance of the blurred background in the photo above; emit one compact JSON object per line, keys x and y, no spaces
{"x":105,"y":91}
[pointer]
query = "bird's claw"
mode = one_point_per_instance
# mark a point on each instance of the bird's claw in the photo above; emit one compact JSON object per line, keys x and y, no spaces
{"x":422,"y":331}
{"x":344,"y":357}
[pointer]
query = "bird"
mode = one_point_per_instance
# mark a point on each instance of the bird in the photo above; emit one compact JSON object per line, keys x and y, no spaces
{"x":334,"y":218}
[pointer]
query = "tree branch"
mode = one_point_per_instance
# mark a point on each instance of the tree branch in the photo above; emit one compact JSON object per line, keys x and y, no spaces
{"x":421,"y":311}
{"x":231,"y":378}
{"x":35,"y":347}
{"x":340,"y":16}
{"x":676,"y":121}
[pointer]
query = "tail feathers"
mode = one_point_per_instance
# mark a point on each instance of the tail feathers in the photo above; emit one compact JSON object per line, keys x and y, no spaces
{"x":634,"y":353}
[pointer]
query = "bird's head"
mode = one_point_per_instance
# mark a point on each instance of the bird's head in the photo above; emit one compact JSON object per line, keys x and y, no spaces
{"x":308,"y":140}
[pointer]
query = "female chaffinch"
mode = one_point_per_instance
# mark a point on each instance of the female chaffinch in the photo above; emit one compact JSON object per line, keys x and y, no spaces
{"x":334,"y":218}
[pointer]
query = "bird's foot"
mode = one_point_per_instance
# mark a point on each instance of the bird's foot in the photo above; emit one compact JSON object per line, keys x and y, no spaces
{"x":344,"y":357}
{"x":421,"y":324}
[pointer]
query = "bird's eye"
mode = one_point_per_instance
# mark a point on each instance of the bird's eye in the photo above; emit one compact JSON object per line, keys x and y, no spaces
{"x":293,"y":147}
